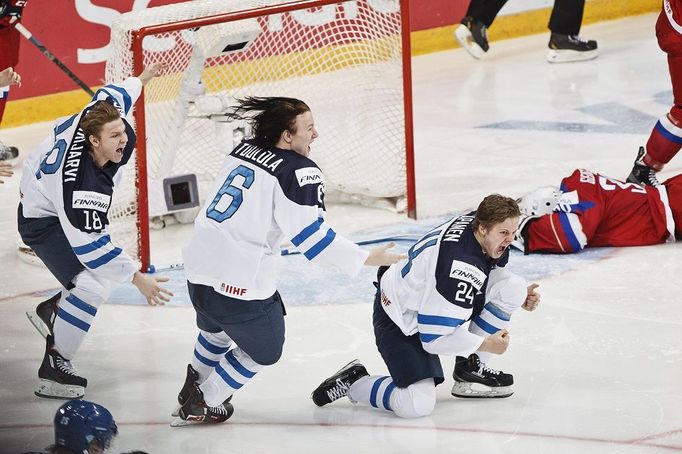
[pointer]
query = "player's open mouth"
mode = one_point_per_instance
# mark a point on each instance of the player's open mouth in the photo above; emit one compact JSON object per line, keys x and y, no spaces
{"x":119,"y":151}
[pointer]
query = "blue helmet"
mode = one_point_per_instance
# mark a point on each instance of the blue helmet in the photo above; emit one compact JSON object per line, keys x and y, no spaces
{"x":78,"y":423}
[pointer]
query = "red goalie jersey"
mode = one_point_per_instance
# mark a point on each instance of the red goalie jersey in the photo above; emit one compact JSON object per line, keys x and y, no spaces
{"x":595,"y":210}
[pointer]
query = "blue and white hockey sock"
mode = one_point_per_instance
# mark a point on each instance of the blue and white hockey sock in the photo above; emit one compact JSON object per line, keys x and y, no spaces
{"x":73,"y":321}
{"x":233,"y":371}
{"x":417,"y":400}
{"x":208,"y":351}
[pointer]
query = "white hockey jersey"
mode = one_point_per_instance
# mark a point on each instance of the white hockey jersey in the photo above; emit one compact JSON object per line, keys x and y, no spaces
{"x":61,"y":180}
{"x":262,"y":197}
{"x":437,"y":288}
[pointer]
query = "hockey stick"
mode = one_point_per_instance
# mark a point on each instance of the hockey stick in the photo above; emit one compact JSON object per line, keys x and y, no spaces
{"x":410,"y":238}
{"x":27,"y":34}
{"x":288,"y":252}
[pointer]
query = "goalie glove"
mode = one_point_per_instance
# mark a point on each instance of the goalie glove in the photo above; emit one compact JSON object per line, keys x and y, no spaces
{"x":10,"y":11}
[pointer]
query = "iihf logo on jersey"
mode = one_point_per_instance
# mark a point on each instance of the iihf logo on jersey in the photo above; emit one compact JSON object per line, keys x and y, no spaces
{"x":232,"y":290}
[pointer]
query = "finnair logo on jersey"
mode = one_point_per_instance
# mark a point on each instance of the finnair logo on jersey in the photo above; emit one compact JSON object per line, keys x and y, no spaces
{"x":468,"y":273}
{"x":308,"y":175}
{"x":88,"y":200}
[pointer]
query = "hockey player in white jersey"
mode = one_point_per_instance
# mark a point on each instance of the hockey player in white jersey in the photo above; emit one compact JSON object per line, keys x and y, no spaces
{"x":451,"y":296}
{"x":267,"y":191}
{"x":66,"y":191}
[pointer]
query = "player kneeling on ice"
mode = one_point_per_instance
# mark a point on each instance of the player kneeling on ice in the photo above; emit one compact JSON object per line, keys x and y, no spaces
{"x":451,"y":296}
{"x":66,"y":191}
{"x":268,"y":190}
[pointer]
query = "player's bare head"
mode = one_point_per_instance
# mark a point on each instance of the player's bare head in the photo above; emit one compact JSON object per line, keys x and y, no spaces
{"x":96,"y":117}
{"x":493,"y":210}
{"x":269,"y":117}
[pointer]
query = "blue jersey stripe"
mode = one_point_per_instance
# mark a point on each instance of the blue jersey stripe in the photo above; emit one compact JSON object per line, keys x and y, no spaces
{"x":127,"y":101}
{"x":204,"y":360}
{"x":238,"y":366}
{"x":64,"y":126}
{"x":485,"y":326}
{"x":497,"y":312}
{"x":82,"y":305}
{"x":210,"y":347}
{"x":226,"y":377}
{"x":75,"y":321}
{"x":667,"y":134}
{"x":320,"y":245}
{"x":307,"y":232}
{"x":375,"y":391}
{"x":573,"y":242}
{"x":103,"y":260}
{"x":102,"y":241}
{"x":438,"y":320}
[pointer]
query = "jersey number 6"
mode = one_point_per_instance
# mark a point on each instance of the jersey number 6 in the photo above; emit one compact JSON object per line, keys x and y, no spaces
{"x":219,"y":210}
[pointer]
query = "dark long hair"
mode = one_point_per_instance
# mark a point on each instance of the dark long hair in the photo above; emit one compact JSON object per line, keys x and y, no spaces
{"x":274,"y":116}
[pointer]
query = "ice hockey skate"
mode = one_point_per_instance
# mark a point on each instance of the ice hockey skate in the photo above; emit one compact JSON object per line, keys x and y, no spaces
{"x":642,"y":173}
{"x":58,"y":379}
{"x":474,"y":379}
{"x":191,"y":379}
{"x":196,"y":411}
{"x":43,"y":317}
{"x":8,"y":153}
{"x":473,"y":36}
{"x":337,"y":386}
{"x":570,"y":48}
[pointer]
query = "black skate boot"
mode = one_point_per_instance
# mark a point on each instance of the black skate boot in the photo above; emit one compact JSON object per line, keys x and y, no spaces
{"x":642,"y":173}
{"x":43,"y":318}
{"x":57,"y":377}
{"x":195,"y":410}
{"x":490,"y":382}
{"x":191,"y":379}
{"x":570,"y":48}
{"x":337,"y":386}
{"x":8,"y":153}
{"x":473,"y":36}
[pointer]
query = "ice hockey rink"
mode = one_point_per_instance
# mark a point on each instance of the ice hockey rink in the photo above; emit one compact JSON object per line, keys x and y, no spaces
{"x":597,"y":367}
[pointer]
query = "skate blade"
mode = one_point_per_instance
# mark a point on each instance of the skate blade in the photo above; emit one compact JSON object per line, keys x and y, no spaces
{"x":38,"y":324}
{"x":571,"y":56}
{"x":53,"y":390}
{"x":179,"y":422}
{"x":479,"y":391}
{"x":466,"y":40}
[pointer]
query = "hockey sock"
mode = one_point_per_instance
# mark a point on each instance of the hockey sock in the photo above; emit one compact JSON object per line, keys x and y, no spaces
{"x":233,"y":371}
{"x":77,"y":310}
{"x":418,"y":399}
{"x":208,"y":351}
{"x":73,"y":321}
{"x":664,"y":142}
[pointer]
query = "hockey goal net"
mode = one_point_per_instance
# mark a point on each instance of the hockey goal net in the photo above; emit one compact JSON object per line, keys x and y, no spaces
{"x":347,"y":60}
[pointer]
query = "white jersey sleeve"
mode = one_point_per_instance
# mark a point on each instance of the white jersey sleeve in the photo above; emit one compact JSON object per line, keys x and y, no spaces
{"x":299,"y":213}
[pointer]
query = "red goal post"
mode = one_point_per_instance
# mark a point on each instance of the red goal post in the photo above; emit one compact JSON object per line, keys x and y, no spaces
{"x":140,"y":58}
